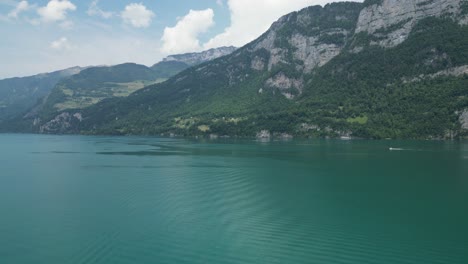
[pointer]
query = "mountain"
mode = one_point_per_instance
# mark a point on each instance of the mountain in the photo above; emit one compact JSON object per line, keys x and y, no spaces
{"x":378,"y":69}
{"x":19,"y":94}
{"x":89,"y":86}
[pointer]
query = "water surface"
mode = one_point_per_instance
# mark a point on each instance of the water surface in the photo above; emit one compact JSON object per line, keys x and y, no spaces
{"x":73,"y":199}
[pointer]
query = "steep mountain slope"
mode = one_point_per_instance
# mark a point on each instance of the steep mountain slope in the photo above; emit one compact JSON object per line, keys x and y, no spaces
{"x":380,"y":69}
{"x":17,"y":95}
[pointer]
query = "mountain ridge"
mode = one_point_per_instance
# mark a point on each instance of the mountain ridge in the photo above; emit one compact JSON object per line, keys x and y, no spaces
{"x":194,"y":58}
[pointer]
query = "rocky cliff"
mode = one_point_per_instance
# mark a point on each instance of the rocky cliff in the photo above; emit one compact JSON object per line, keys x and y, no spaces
{"x":391,"y":21}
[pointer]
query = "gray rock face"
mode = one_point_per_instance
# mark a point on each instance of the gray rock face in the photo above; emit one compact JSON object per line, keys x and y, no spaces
{"x":268,"y":43}
{"x":392,"y":20}
{"x":288,"y":87}
{"x":200,"y":57}
{"x":464,"y":119}
{"x":313,"y":53}
{"x":308,"y":49}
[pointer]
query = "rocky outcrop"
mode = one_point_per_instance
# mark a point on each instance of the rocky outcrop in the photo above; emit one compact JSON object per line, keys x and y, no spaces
{"x":455,"y":71}
{"x":264,"y":134}
{"x":257,"y":64}
{"x":312,"y":52}
{"x":464,"y":21}
{"x":464,"y":119}
{"x":268,"y":44}
{"x":62,"y":123}
{"x":289,"y":87}
{"x":391,"y":21}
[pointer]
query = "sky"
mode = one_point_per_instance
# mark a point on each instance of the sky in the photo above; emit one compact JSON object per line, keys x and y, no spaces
{"x":45,"y":35}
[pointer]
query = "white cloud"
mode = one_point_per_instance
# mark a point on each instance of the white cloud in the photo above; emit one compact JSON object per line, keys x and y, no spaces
{"x":20,"y":7}
{"x":56,"y":10}
{"x":137,"y":15}
{"x":249,"y":19}
{"x":61,"y":44}
{"x":95,"y":10}
{"x":220,"y":2}
{"x":183,"y":37}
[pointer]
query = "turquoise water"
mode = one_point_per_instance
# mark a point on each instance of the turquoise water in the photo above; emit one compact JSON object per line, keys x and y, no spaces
{"x":73,"y":199}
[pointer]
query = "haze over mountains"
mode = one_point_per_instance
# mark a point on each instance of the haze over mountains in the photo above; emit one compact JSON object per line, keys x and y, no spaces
{"x":80,"y":87}
{"x":378,"y":69}
{"x":17,"y":95}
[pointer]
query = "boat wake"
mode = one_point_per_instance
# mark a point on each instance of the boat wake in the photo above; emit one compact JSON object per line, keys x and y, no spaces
{"x":397,"y":149}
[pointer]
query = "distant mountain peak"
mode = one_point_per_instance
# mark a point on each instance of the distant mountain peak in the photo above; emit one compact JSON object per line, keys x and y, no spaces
{"x":195,"y":58}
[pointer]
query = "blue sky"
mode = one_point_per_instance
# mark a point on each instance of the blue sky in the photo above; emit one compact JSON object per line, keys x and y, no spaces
{"x":46,"y":35}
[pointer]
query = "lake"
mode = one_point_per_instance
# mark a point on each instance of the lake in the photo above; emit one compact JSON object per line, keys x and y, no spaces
{"x":87,"y":200}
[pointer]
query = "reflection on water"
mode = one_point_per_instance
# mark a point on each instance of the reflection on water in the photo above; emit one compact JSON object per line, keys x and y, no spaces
{"x":70,"y":199}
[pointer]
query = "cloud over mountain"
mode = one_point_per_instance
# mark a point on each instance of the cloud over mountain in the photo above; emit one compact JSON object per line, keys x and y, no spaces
{"x":183,"y":37}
